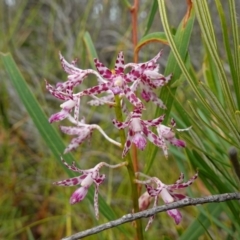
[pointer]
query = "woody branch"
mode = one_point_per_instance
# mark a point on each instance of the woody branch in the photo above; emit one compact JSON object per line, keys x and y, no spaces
{"x":148,"y":213}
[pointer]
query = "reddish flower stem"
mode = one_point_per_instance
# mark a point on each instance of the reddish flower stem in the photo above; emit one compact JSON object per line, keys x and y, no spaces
{"x":134,"y":14}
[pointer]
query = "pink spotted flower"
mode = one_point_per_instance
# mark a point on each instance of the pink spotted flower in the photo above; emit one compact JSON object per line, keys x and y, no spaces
{"x":138,"y":130}
{"x":166,"y":192}
{"x":116,"y":81}
{"x":67,"y":107}
{"x":75,"y":77}
{"x":146,"y":76}
{"x":70,"y":102}
{"x":85,"y":180}
{"x":144,"y":201}
{"x":82,"y":133}
{"x":167,"y":134}
{"x":64,"y":90}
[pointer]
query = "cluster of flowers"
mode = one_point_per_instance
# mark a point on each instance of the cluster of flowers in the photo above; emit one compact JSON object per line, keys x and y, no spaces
{"x":143,"y":76}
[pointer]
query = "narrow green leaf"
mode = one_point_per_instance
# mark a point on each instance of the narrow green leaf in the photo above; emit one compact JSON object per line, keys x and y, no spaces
{"x":226,"y":120}
{"x":179,"y":46}
{"x":211,"y":178}
{"x":206,"y":231}
{"x":127,"y":3}
{"x":205,"y":124}
{"x":182,"y":38}
{"x":197,"y":228}
{"x":236,"y":48}
{"x":90,"y":48}
{"x":225,"y":31}
{"x":29,"y":234}
{"x":151,"y":16}
{"x":203,"y":16}
{"x":49,"y":134}
{"x":211,"y":77}
{"x":152,"y":37}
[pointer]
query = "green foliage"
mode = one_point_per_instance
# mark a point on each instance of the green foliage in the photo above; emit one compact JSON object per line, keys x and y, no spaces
{"x":212,"y":113}
{"x":204,"y":93}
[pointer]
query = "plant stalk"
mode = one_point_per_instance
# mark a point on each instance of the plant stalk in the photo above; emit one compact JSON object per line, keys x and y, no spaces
{"x":130,"y":169}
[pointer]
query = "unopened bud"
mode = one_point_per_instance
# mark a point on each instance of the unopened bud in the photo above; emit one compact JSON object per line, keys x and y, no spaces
{"x":144,"y":201}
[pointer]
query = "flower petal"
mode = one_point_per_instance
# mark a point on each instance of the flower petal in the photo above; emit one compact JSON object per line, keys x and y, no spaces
{"x":149,"y":222}
{"x":109,"y":99}
{"x":178,"y":196}
{"x":104,"y":71}
{"x":154,"y":60}
{"x":78,"y":195}
{"x":133,"y":75}
{"x":139,"y":140}
{"x":83,"y":133}
{"x":71,"y":181}
{"x":69,"y":68}
{"x":152,"y":191}
{"x":82,"y":130}
{"x":96,"y":201}
{"x":99,"y":179}
{"x":128,"y":142}
{"x":166,"y":196}
{"x":161,"y":81}
{"x":154,"y":122}
{"x":180,"y":179}
{"x":57,"y":93}
{"x":183,"y":185}
{"x":68,"y":105}
{"x":153,"y":97}
{"x":104,"y":87}
{"x":120,"y":125}
{"x":59,"y":116}
{"x":144,"y":201}
{"x":153,"y":216}
{"x":154,"y":138}
{"x":176,"y":215}
{"x":132,"y":98}
{"x":119,"y":65}
{"x":177,"y":142}
{"x":72,"y":167}
{"x":76,"y":142}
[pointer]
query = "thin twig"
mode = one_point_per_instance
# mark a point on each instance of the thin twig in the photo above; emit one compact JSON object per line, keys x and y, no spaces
{"x":147,"y":213}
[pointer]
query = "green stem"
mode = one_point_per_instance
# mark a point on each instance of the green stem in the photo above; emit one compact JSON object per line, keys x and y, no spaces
{"x":130,"y":169}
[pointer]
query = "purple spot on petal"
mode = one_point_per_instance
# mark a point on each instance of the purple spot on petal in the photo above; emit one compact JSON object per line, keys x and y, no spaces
{"x":128,"y":143}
